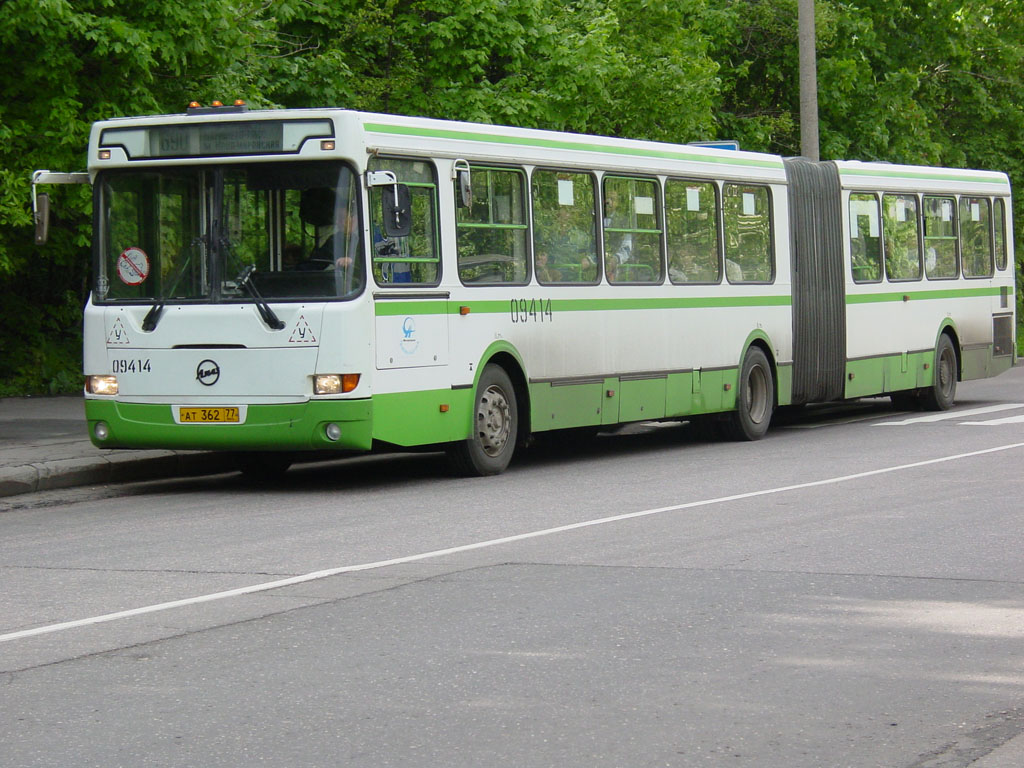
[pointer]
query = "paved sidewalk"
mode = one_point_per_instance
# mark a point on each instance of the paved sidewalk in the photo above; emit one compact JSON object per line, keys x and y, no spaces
{"x":44,"y":445}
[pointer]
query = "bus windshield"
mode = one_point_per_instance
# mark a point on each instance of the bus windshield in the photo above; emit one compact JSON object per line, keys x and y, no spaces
{"x":200,"y":233}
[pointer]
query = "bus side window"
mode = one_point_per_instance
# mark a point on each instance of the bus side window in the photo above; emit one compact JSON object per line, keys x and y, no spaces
{"x":940,"y":240}
{"x":975,"y":237}
{"x":865,"y":238}
{"x":632,"y":232}
{"x":691,"y":221}
{"x":564,"y":231}
{"x":901,"y":239}
{"x":748,"y":234}
{"x":999,"y":220}
{"x":491,"y":232}
{"x":416,"y":259}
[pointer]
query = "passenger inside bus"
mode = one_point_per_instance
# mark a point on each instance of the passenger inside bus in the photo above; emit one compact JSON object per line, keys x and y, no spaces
{"x":336,"y":232}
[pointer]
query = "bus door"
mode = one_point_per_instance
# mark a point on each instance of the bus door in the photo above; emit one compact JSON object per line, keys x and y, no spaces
{"x":411,"y":315}
{"x":885,"y":261}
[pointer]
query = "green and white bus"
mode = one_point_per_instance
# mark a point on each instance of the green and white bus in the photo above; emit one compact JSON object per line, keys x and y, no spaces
{"x":282,"y":281}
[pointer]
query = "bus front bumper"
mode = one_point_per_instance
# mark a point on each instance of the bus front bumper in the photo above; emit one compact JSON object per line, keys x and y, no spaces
{"x":315,"y":425}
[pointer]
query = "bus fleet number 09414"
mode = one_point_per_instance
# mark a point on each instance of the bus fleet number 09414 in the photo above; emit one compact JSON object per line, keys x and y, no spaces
{"x":122,"y":365}
{"x":531,"y":310}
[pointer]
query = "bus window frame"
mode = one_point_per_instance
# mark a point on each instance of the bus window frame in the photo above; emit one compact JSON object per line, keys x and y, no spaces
{"x":991,"y":238}
{"x":919,"y":228}
{"x":1001,"y":203}
{"x":527,"y":227}
{"x":881,"y":239}
{"x":716,"y":185}
{"x":594,"y":213}
{"x":659,"y":220}
{"x":773,"y":257}
{"x":958,"y":270}
{"x":438,"y":236}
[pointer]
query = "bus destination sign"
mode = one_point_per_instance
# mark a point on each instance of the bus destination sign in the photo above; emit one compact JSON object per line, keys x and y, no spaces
{"x":216,"y":139}
{"x":212,"y":139}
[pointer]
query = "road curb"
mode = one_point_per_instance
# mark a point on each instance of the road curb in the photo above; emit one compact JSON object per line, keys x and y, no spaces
{"x":116,"y":468}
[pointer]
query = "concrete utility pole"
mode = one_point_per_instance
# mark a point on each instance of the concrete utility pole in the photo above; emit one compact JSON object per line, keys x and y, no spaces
{"x":808,"y":81}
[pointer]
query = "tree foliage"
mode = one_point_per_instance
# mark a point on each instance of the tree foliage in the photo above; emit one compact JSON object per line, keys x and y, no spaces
{"x":918,"y":81}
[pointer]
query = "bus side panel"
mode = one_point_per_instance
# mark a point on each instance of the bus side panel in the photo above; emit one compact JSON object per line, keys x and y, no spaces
{"x":422,"y":417}
{"x":561,"y":406}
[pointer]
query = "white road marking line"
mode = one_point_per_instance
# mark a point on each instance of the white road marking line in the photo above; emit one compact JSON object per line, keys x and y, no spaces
{"x":994,"y":422}
{"x":316,"y":575}
{"x":955,"y":414}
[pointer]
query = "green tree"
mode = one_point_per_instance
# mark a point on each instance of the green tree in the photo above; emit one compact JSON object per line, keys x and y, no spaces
{"x":620,"y":67}
{"x":71,"y":64}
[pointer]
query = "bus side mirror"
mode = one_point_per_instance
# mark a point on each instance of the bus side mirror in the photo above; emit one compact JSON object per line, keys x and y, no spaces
{"x":41,"y":214}
{"x":396,"y":213}
{"x":41,"y":202}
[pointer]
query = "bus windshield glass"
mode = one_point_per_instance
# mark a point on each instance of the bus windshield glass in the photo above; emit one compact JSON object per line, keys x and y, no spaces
{"x":189,"y":234}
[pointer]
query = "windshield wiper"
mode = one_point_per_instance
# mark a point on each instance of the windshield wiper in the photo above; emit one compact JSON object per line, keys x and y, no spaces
{"x":152,"y":318}
{"x":244,"y":280}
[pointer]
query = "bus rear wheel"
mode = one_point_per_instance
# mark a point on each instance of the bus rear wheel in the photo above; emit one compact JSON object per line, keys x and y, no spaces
{"x":942,"y":393}
{"x":489,"y":448}
{"x":755,"y":399}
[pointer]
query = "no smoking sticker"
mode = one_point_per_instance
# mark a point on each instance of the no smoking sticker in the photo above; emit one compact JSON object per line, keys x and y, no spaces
{"x":133,"y":266}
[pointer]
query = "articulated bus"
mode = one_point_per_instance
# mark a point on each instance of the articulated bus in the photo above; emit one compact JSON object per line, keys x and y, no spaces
{"x":285,"y":281}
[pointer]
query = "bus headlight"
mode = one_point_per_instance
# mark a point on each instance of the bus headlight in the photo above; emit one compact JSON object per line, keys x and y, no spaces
{"x":101,"y":385}
{"x":334,"y":383}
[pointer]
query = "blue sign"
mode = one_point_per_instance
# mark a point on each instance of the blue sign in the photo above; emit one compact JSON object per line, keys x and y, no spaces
{"x":725,"y":144}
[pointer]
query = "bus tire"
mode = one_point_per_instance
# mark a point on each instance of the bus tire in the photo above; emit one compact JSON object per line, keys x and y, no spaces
{"x":755,"y":399}
{"x":941,"y":395}
{"x":488,"y":450}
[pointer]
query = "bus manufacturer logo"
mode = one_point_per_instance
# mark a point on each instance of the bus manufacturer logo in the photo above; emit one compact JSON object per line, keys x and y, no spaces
{"x":409,"y":342}
{"x":207,"y":373}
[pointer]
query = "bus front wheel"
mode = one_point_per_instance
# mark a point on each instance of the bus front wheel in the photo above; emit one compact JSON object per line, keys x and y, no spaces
{"x":755,"y":399}
{"x":488,"y":450}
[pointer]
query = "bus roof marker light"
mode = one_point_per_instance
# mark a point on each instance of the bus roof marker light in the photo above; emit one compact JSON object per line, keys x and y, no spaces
{"x":216,"y":107}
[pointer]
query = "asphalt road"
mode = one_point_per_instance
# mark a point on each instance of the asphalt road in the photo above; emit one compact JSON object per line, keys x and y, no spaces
{"x":847,"y":592}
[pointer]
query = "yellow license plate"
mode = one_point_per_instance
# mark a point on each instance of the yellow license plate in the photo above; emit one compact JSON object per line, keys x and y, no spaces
{"x":208,"y":415}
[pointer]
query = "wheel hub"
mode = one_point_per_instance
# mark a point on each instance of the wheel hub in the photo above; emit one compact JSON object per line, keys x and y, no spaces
{"x":493,"y":420}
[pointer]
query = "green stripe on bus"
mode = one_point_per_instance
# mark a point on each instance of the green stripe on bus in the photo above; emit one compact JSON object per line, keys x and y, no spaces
{"x":393,"y":308}
{"x":923,"y":174}
{"x":951,"y":293}
{"x":528,"y":141}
